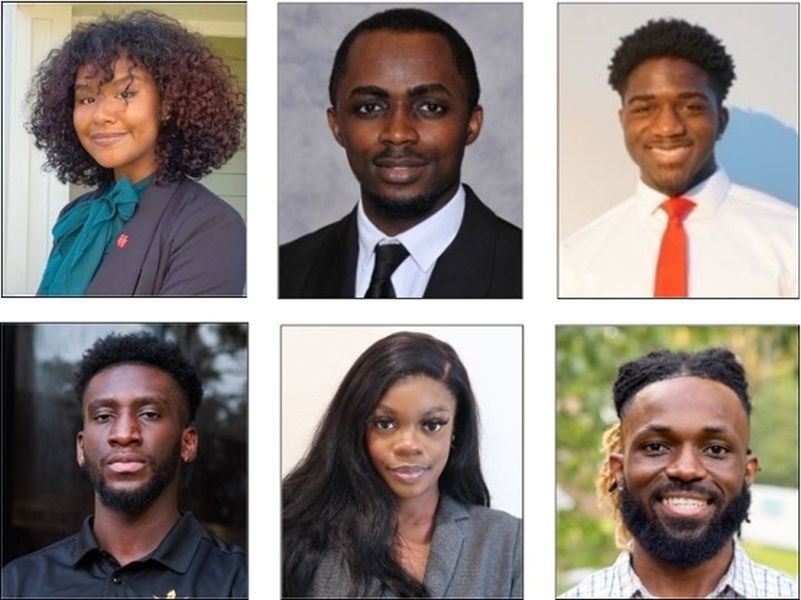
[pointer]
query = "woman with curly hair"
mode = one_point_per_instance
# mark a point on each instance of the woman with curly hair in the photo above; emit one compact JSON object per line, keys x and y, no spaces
{"x":140,"y":108}
{"x":390,"y":499}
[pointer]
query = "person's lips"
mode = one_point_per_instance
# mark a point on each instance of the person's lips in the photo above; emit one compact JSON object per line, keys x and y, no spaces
{"x":126,"y":463}
{"x":670,"y":152}
{"x":108,"y":138}
{"x":408,"y":473}
{"x":685,"y":506}
{"x":401,"y":169}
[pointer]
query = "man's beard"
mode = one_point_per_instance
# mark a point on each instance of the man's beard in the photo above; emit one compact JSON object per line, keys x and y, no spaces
{"x":692,"y":550}
{"x":139,"y":499}
{"x":403,"y":209}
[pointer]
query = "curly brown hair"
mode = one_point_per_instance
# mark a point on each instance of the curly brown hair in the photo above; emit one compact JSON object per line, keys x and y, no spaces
{"x":203,"y":124}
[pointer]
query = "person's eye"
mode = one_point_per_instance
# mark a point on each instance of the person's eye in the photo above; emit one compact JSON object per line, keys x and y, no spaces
{"x":86,"y":100}
{"x":383,"y":423}
{"x":431,"y":109}
{"x":641,"y":109}
{"x":366,"y":109}
{"x":102,"y":417}
{"x":434,"y":425}
{"x":127,"y":94}
{"x":150,"y":415}
{"x":655,"y":448}
{"x":717,"y":450}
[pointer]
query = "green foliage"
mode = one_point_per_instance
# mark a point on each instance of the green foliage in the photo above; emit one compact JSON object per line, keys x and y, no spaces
{"x":587,"y":359}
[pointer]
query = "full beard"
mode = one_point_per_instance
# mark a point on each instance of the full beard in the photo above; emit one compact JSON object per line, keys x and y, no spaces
{"x":137,"y":500}
{"x":684,"y":551}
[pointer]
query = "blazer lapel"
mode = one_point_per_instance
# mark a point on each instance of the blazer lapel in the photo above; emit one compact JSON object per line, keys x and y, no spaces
{"x":333,"y":274}
{"x":464,"y":270}
{"x":446,"y":546}
{"x":121,"y":268}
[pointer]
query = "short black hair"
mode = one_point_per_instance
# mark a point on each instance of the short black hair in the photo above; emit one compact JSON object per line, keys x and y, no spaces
{"x":410,"y":20}
{"x":676,"y":38}
{"x":144,"y":349}
{"x":716,"y":364}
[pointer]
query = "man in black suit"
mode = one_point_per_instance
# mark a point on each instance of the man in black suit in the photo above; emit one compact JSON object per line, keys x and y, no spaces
{"x":404,"y":104}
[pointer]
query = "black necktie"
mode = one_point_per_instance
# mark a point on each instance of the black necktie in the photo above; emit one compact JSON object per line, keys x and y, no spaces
{"x":387,"y":258}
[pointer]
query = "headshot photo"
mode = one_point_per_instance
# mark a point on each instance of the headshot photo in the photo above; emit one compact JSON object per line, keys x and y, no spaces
{"x":401,"y":462}
{"x":680,"y":177}
{"x":125,"y":460}
{"x":677,"y":461}
{"x":124,"y":150}
{"x":400,"y":132}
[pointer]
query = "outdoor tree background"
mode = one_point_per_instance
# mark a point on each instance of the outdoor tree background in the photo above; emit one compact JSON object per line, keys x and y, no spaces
{"x":587,"y":359}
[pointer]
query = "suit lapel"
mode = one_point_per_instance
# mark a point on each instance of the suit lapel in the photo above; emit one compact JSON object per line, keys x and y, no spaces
{"x":333,"y":274}
{"x":121,"y":268}
{"x":465,"y":269}
{"x":446,"y":546}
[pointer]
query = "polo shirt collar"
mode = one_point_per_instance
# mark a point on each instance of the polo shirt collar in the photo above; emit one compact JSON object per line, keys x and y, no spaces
{"x":425,"y":242}
{"x":175,"y":551}
{"x":707,"y":195}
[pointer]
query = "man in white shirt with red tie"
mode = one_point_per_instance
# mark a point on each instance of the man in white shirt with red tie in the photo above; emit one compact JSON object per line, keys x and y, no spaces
{"x":687,"y":230}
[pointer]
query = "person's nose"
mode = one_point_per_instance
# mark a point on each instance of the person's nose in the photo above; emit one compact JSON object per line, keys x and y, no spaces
{"x":669,"y":122}
{"x":407,"y":442}
{"x":686,"y":465}
{"x":105,"y":110}
{"x":399,"y":127}
{"x":125,"y":431}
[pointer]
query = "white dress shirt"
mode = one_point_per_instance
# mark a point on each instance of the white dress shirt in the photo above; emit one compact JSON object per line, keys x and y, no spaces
{"x":425,"y":242}
{"x":743,"y":579}
{"x":742,"y":244}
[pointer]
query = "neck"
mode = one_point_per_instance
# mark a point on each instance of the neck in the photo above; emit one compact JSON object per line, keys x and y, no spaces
{"x":390,"y":224}
{"x":664,"y":579}
{"x":130,"y":536}
{"x":416,"y":516}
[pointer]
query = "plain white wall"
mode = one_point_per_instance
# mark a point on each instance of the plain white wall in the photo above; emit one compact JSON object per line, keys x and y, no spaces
{"x":314,"y":361}
{"x":595,"y":171}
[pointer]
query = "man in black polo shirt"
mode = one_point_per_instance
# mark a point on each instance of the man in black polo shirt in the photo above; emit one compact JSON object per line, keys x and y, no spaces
{"x":139,"y":397}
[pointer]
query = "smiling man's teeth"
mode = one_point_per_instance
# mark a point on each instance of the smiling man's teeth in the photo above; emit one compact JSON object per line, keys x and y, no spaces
{"x":682,"y":502}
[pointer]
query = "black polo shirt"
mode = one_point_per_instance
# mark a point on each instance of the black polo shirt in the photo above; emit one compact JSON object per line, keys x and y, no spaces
{"x":188,"y":563}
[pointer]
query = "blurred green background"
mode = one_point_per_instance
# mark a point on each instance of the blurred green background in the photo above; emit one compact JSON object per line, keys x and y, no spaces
{"x":587,"y":359}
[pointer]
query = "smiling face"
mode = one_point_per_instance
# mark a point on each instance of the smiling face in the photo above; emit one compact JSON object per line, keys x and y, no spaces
{"x":409,"y":436}
{"x":134,"y":436}
{"x":685,"y":468}
{"x":401,"y":114}
{"x":117,"y":122}
{"x":671,"y":120}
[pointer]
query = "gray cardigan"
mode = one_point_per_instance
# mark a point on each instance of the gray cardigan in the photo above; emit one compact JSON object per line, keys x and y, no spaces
{"x":182,"y":241}
{"x":476,"y":552}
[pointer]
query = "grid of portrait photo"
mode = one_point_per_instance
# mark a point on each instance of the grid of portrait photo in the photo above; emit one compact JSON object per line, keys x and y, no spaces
{"x":366,"y":299}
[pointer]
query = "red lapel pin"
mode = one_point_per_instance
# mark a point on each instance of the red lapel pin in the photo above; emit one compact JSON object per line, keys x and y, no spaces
{"x":122,"y":240}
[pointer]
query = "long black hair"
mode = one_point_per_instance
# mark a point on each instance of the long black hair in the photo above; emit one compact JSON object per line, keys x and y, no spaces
{"x":335,"y":501}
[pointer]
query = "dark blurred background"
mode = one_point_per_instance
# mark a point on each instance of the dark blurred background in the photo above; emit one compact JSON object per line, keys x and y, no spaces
{"x":45,"y":496}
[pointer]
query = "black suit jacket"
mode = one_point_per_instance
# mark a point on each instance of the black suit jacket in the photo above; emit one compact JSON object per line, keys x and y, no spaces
{"x":485,"y":259}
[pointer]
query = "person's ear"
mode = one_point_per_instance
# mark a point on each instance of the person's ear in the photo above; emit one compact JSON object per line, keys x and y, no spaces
{"x":80,"y":457}
{"x":723,"y":120}
{"x":333,"y":125}
{"x":615,"y":462}
{"x":474,"y":124}
{"x":189,"y":442}
{"x":751,"y":469}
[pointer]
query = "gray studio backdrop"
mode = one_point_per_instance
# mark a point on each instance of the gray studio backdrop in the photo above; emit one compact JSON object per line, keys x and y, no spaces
{"x":315,"y":184}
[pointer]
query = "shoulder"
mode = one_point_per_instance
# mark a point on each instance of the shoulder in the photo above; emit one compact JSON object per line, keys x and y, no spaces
{"x":759,"y":209}
{"x":753,"y":580}
{"x":79,"y":200}
{"x":597,"y":585}
{"x":480,"y":521}
{"x":490,"y":519}
{"x":475,"y":209}
{"x":600,"y":228}
{"x":190,"y":199}
{"x":310,"y":243}
{"x":28,"y":574}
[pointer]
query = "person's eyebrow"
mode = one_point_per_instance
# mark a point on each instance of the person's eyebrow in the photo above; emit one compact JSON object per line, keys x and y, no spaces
{"x":130,"y":77}
{"x":138,"y":402}
{"x":708,"y":430}
{"x":430,"y":411}
{"x":428,"y":88}
{"x":682,"y":96}
{"x":369,"y":90}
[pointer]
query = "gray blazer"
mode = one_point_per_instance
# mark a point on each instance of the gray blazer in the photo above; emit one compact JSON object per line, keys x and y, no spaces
{"x":476,"y":552}
{"x":182,"y":241}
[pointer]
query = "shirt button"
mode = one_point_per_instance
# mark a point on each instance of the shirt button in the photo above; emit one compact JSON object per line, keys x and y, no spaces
{"x":117,"y":579}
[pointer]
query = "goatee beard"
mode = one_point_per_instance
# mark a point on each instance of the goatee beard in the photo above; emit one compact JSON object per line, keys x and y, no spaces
{"x":685,"y":551}
{"x":137,"y":500}
{"x":406,"y":208}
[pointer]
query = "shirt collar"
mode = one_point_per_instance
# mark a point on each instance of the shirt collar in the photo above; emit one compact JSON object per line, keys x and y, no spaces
{"x":736,"y":577}
{"x":425,"y":242}
{"x":175,"y":551}
{"x":707,"y":195}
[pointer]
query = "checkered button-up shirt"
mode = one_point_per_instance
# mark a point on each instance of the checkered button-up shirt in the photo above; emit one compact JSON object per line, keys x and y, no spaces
{"x":743,"y":579}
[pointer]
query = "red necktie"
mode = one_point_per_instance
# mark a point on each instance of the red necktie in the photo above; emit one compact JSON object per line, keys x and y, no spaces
{"x":672,"y":267}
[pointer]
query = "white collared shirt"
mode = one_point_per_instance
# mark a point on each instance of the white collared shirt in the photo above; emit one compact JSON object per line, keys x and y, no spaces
{"x":425,"y":242}
{"x":742,"y":244}
{"x":743,"y":579}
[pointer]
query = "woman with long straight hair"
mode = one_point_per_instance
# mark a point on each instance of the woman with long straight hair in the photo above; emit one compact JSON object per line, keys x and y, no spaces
{"x":390,"y":498}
